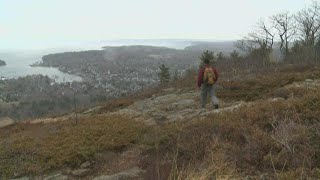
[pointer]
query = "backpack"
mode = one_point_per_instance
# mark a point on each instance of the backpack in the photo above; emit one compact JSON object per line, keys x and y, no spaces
{"x":209,"y":76}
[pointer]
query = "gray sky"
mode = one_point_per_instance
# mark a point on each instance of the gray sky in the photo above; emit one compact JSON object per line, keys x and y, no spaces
{"x":49,"y":23}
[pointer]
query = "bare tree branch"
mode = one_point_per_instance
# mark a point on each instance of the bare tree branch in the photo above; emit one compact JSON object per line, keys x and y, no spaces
{"x":308,"y":24}
{"x":284,"y":24}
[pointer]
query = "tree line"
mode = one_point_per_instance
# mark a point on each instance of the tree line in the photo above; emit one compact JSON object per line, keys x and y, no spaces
{"x":284,"y":37}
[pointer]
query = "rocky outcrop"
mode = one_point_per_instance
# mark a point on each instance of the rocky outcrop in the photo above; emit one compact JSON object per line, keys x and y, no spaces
{"x":21,"y":178}
{"x":85,"y":165}
{"x":309,"y":84}
{"x":125,"y":175}
{"x":168,"y":108}
{"x":80,"y":172}
{"x":159,"y":109}
{"x":6,"y":121}
{"x":56,"y":177}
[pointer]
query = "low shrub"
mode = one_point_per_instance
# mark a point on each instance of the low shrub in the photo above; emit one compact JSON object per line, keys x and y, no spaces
{"x":36,"y":148}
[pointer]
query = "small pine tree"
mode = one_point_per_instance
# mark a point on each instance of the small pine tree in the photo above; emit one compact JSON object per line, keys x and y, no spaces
{"x":220,"y":56}
{"x":175,"y":75}
{"x":164,"y":74}
{"x":207,"y":57}
{"x":235,"y":55}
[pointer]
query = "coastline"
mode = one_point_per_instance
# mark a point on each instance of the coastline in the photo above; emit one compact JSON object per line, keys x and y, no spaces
{"x":2,"y":63}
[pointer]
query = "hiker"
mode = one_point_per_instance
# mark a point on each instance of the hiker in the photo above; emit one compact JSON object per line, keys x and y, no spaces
{"x":207,"y":79}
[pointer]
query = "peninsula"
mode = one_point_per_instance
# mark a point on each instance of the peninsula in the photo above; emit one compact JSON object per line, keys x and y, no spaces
{"x":2,"y":63}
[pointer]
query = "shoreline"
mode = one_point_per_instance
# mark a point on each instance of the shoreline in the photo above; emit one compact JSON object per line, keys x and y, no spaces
{"x":2,"y":63}
{"x":54,"y":73}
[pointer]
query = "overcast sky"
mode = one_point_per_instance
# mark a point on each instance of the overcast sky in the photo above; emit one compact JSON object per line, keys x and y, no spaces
{"x":38,"y":23}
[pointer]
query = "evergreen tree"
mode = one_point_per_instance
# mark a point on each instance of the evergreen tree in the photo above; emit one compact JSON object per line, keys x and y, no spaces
{"x":207,"y":57}
{"x":164,"y":74}
{"x":175,"y":75}
{"x":234,"y":55}
{"x":220,"y":56}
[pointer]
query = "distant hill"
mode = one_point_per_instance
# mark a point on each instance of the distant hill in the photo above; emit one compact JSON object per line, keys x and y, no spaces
{"x":2,"y":63}
{"x":225,"y":47}
{"x":114,"y":58}
{"x":138,"y":50}
{"x":170,"y":43}
{"x":124,"y":69}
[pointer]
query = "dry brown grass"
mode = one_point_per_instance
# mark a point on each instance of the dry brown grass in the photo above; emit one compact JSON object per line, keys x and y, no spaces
{"x":263,"y":85}
{"x":116,"y":104}
{"x":270,"y":139}
{"x":37,"y":148}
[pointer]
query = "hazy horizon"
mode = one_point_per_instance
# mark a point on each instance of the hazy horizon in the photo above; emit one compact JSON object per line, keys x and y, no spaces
{"x":37,"y":24}
{"x":94,"y":45}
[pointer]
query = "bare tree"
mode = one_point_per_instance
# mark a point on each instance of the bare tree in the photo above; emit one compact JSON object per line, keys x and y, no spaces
{"x":308,"y":24}
{"x":245,"y":45}
{"x":261,"y":38}
{"x":264,"y":36}
{"x":284,"y":24}
{"x":258,"y":44}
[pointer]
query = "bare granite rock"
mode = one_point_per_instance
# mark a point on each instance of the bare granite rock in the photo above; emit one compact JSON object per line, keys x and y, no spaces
{"x":6,"y":122}
{"x":21,"y":178}
{"x":58,"y":176}
{"x":80,"y":172}
{"x":126,"y":175}
{"x":85,"y":165}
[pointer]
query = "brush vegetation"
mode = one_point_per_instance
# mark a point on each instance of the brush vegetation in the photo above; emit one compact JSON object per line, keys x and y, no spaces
{"x":38,"y":148}
{"x":272,"y":139}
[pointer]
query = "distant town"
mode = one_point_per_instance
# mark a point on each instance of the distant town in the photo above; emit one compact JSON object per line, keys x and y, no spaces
{"x":106,"y":74}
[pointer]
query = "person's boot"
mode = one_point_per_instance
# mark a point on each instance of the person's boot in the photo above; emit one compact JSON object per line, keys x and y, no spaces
{"x":216,"y":106}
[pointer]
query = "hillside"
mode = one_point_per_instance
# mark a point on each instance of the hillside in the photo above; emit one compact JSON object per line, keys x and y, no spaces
{"x":121,"y":70}
{"x":225,"y":47}
{"x":123,"y":59}
{"x":267,"y":128}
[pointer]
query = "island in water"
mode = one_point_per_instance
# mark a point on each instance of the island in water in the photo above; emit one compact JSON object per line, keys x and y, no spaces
{"x":2,"y":63}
